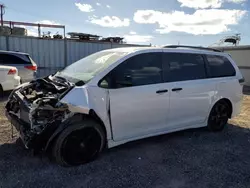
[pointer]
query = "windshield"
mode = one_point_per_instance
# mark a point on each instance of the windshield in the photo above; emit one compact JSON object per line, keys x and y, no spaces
{"x":85,"y":69}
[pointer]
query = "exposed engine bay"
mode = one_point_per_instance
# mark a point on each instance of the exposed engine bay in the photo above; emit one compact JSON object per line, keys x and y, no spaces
{"x":37,"y":108}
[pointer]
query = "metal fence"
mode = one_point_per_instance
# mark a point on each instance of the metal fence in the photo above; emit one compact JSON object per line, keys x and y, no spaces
{"x":54,"y":54}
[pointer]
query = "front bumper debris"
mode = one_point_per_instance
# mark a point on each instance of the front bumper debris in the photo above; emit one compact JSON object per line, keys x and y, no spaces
{"x":36,"y":112}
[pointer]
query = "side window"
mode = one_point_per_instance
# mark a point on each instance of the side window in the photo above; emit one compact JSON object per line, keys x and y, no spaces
{"x":220,"y":66}
{"x":183,"y":66}
{"x":142,"y":69}
{"x":7,"y":59}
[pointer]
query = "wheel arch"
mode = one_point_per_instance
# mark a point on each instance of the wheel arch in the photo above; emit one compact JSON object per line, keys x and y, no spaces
{"x":75,"y":118}
{"x":92,"y":114}
{"x":226,"y":100}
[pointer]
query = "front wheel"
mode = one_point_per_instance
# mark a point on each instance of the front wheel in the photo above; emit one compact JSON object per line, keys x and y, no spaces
{"x":219,"y":116}
{"x":1,"y":92}
{"x":79,"y":143}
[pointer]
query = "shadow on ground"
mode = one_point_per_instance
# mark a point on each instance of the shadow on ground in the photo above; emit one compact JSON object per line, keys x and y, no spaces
{"x":5,"y":96}
{"x":193,"y":158}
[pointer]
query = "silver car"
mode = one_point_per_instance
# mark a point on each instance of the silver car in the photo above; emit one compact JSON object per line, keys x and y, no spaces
{"x":22,"y":61}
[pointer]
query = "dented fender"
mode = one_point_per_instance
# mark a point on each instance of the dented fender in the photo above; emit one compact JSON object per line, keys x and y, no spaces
{"x":85,"y":98}
{"x":77,"y":100}
{"x":80,"y":100}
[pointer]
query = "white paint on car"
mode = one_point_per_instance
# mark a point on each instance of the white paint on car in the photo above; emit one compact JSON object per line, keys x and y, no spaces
{"x":8,"y":80}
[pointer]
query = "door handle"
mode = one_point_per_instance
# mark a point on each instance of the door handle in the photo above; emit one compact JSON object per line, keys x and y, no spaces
{"x":177,"y":89}
{"x":162,"y":91}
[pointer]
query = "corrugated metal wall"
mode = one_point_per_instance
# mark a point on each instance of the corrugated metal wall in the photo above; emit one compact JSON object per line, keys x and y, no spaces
{"x":49,"y":54}
{"x":77,"y":50}
{"x":3,"y":43}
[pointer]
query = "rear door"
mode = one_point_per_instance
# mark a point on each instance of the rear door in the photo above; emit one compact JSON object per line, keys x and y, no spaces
{"x":139,"y":100}
{"x":191,"y":91}
{"x":21,"y":61}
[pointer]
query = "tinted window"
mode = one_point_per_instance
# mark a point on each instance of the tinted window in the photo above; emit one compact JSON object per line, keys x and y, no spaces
{"x":139,"y":70}
{"x":7,"y":59}
{"x":220,"y":66}
{"x":181,"y":67}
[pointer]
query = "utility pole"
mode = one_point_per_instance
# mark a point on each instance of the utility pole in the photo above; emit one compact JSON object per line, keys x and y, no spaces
{"x":2,"y":13}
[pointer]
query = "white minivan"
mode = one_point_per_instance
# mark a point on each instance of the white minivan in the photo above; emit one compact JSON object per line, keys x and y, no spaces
{"x":124,"y":94}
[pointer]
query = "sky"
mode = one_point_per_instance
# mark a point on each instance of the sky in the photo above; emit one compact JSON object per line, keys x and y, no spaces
{"x":156,"y":22}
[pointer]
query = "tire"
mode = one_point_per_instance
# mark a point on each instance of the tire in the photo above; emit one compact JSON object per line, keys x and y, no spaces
{"x":20,"y":143}
{"x":1,"y":92}
{"x":219,"y":116}
{"x":79,"y":143}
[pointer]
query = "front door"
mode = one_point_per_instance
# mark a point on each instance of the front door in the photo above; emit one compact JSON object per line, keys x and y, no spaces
{"x":139,"y":100}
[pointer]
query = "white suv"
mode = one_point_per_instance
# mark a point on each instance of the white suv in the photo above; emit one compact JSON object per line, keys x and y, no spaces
{"x":123,"y":94}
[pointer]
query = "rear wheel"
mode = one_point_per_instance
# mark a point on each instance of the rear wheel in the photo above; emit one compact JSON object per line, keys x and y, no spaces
{"x":219,"y":116}
{"x":79,"y":143}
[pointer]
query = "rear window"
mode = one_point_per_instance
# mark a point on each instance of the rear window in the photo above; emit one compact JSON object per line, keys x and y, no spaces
{"x":220,"y":66}
{"x":8,"y":59}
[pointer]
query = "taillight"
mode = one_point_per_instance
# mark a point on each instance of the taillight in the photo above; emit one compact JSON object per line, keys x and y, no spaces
{"x":12,"y":71}
{"x":31,"y":67}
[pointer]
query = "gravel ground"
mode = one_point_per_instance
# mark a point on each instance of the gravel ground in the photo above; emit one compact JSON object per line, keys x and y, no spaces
{"x":193,"y":158}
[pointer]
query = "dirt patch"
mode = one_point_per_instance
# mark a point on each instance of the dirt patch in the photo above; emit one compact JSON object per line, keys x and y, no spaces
{"x":243,"y":119}
{"x":5,"y":127}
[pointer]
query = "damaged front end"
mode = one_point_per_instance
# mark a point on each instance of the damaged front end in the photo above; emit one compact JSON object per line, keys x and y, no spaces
{"x":36,"y":111}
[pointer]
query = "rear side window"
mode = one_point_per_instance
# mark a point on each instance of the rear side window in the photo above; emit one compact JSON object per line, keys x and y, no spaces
{"x":183,"y":66}
{"x":8,"y":59}
{"x":219,"y":66}
{"x":142,"y":69}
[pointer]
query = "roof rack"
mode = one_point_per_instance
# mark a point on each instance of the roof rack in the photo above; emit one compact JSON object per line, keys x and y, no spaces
{"x":193,"y":47}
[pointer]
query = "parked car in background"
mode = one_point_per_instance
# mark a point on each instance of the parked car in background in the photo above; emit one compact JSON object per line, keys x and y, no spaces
{"x":9,"y":78}
{"x":22,"y":61}
{"x":124,"y":94}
